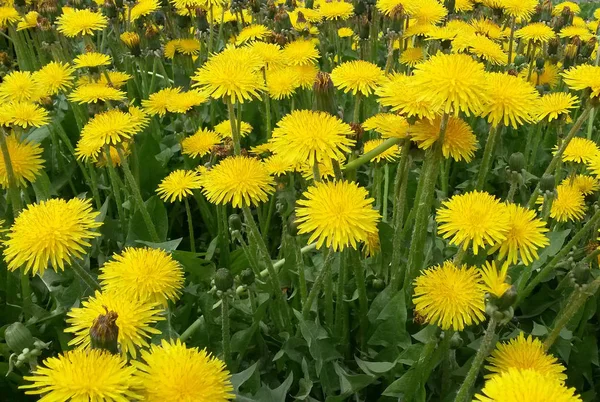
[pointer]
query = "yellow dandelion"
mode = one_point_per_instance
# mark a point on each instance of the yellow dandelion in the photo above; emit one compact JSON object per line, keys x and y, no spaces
{"x":584,"y":183}
{"x":260,"y":149}
{"x":23,"y":114}
{"x":54,"y":77}
{"x":336,"y":10}
{"x":172,"y":372}
{"x":254,"y":32}
{"x":569,"y":204}
{"x":130,"y":39}
{"x":223,"y":129}
{"x":476,"y":217}
{"x":92,"y":59}
{"x":183,"y":102}
{"x":459,"y":141}
{"x":548,"y":76}
{"x":234,"y":74}
{"x":305,"y":75}
{"x":583,"y":77}
{"x":485,"y":48}
{"x":238,"y":180}
{"x":526,"y":234}
{"x":188,"y":47}
{"x":463,"y":5}
{"x":452,"y":82}
{"x":20,"y":86}
{"x":403,"y":95}
{"x":50,"y":233}
{"x":391,"y":154}
{"x":357,"y":77}
{"x":200,"y":144}
{"x":412,"y":56}
{"x":160,"y":102}
{"x":300,"y":52}
{"x":141,"y":9}
{"x":345,"y":32}
{"x":537,"y":32}
{"x":29,"y":20}
{"x":485,"y":27}
{"x":270,"y":54}
{"x":580,"y":150}
{"x":308,"y":136}
{"x":178,"y":185}
{"x":338,"y":214}
{"x":135,"y":319}
{"x":521,"y":9}
{"x":525,"y":386}
{"x":115,"y":158}
{"x":494,"y":279}
{"x":96,"y":92}
{"x":281,"y":82}
{"x":278,"y":165}
{"x":325,"y":170}
{"x":572,"y":32}
{"x":560,"y":7}
{"x":450,"y":296}
{"x":511,"y":101}
{"x":8,"y":15}
{"x":80,"y":22}
{"x":555,"y":105}
{"x":83,"y":375}
{"x":389,"y":125}
{"x":25,"y":160}
{"x":417,"y":29}
{"x":426,"y":11}
{"x":145,"y":274}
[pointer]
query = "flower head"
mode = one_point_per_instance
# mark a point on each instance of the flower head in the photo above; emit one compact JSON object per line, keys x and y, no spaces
{"x":426,"y":11}
{"x":253,"y":32}
{"x":223,"y":129}
{"x":142,"y":8}
{"x":494,"y":278}
{"x":476,"y":217}
{"x":483,"y":47}
{"x":20,"y":86}
{"x":357,"y":77}
{"x":412,"y":56}
{"x":555,"y":105}
{"x":238,"y":180}
{"x":80,"y":22}
{"x":172,"y":372}
{"x":580,"y":150}
{"x":281,"y":82}
{"x":135,"y":319}
{"x":300,"y":52}
{"x":178,"y":185}
{"x":54,"y":77}
{"x":95,"y":92}
{"x":389,"y":7}
{"x":548,"y":76}
{"x":524,"y":354}
{"x":131,"y":39}
{"x":201,"y":143}
{"x":25,"y":160}
{"x":522,"y":9}
{"x":389,"y":125}
{"x":524,"y":237}
{"x":336,"y":9}
{"x":573,"y":32}
{"x":23,"y":114}
{"x":402,"y":95}
{"x":92,"y":59}
{"x":29,"y":20}
{"x":83,"y":375}
{"x":537,"y":32}
{"x":337,"y":213}
{"x":278,"y":165}
{"x":305,"y":75}
{"x":8,"y":15}
{"x":569,"y":204}
{"x":511,"y":100}
{"x":560,"y":7}
{"x":584,"y":183}
{"x":525,"y":386}
{"x":583,"y":77}
{"x":270,"y":54}
{"x":50,"y":234}
{"x":389,"y":155}
{"x":459,"y":141}
{"x":450,"y":296}
{"x":145,"y":274}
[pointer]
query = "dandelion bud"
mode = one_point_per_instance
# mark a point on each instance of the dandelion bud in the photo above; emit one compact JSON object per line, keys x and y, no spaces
{"x":516,"y":162}
{"x":132,"y":41}
{"x":363,"y":27}
{"x":508,"y":299}
{"x":358,"y":129}
{"x":539,"y":63}
{"x":223,"y":279}
{"x":110,"y":9}
{"x":547,"y":182}
{"x":588,"y":48}
{"x":324,"y":93}
{"x":546,"y":11}
{"x":580,"y":273}
{"x":570,"y":55}
{"x":247,"y":277}
{"x":235,"y":223}
{"x":450,"y":4}
{"x":553,"y":46}
{"x":18,"y":337}
{"x":104,"y":332}
{"x":520,"y":59}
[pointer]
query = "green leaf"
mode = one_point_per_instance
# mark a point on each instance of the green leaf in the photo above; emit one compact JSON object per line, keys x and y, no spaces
{"x":42,"y":187}
{"x":375,"y":368}
{"x":237,"y":380}
{"x":158,"y":214}
{"x":401,"y":385}
{"x":192,"y":263}
{"x":351,"y":383}
{"x":39,"y":134}
{"x":279,"y":394}
{"x":241,"y":339}
{"x":166,"y":246}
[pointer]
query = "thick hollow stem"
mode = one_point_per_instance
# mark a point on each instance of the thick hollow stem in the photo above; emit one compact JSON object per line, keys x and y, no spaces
{"x":112,"y":173}
{"x":356,"y":163}
{"x":401,"y":184}
{"x":190,"y":225}
{"x":237,"y":149}
{"x":488,"y":153}
{"x":314,"y":291}
{"x":13,"y":191}
{"x":85,"y":275}
{"x":225,"y":332}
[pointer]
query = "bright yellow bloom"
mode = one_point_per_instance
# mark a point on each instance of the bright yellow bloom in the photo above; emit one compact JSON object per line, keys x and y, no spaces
{"x":135,"y":319}
{"x":255,"y":32}
{"x":305,"y":75}
{"x":357,"y":77}
{"x":521,"y":9}
{"x":452,"y":83}
{"x":459,"y":141}
{"x":54,"y":77}
{"x":476,"y":217}
{"x":569,"y":204}
{"x":307,"y":136}
{"x":50,"y":234}
{"x":92,"y":59}
{"x":178,"y":185}
{"x":30,"y":20}
{"x":389,"y":125}
{"x":525,"y":354}
{"x":142,"y":8}
{"x":238,"y":180}
{"x":281,"y":82}
{"x":426,"y":11}
{"x":8,"y":15}
{"x":450,"y":297}
{"x":524,"y":237}
{"x":201,"y":143}
{"x":511,"y":100}
{"x":223,"y":129}
{"x":572,"y":32}
{"x":160,"y":102}
{"x":80,"y":22}
{"x":234,"y":74}
{"x":463,"y":5}
{"x":145,"y":274}
{"x":25,"y":160}
{"x":483,"y":47}
{"x":525,"y":386}
{"x":586,"y":184}
{"x":20,"y":86}
{"x":495,"y":279}
{"x":573,"y":7}
{"x":486,"y":27}
{"x":300,"y":52}
{"x":336,"y":213}
{"x":83,"y":375}
{"x":583,"y":77}
{"x":389,"y":155}
{"x":278,"y":165}
{"x":270,"y":54}
{"x":412,"y":56}
{"x":537,"y":32}
{"x":580,"y":150}
{"x":95,"y":92}
{"x":345,"y":32}
{"x":336,"y":9}
{"x":555,"y":105}
{"x":172,"y":372}
{"x":131,"y":39}
{"x":549,"y":75}
{"x":403,"y":95}
{"x":23,"y":114}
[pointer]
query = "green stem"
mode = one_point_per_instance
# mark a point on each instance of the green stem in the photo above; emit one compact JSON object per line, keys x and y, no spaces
{"x":112,"y":173}
{"x":366,"y":157}
{"x":363,"y":301}
{"x":137,"y":196}
{"x":190,"y":225}
{"x":225,"y":332}
{"x":85,"y":276}
{"x":191,"y":329}
{"x":356,"y":115}
{"x":511,"y":40}
{"x":13,"y":190}
{"x":386,"y":189}
{"x":484,"y":349}
{"x":237,"y":150}
{"x":488,"y":153}
{"x":401,"y":184}
{"x":314,"y":291}
{"x":300,"y":269}
{"x":328,"y":293}
{"x":340,"y":306}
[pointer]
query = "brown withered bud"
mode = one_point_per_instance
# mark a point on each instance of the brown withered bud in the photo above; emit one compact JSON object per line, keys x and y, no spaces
{"x":43,"y":23}
{"x":512,"y":71}
{"x":5,"y":59}
{"x":358,"y":130}
{"x":301,"y":19}
{"x":588,"y":48}
{"x":151,"y":30}
{"x":279,"y":39}
{"x":48,"y":6}
{"x":104,"y":332}
{"x":553,"y":46}
{"x":224,"y":149}
{"x":324,"y":93}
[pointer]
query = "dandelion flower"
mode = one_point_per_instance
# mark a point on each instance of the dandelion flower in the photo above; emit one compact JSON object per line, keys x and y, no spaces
{"x":511,"y":101}
{"x":476,"y":217}
{"x":426,"y":11}
{"x":495,"y":279}
{"x":524,"y":237}
{"x":573,"y":32}
{"x":19,"y":86}
{"x":135,"y":319}
{"x":281,"y":82}
{"x":325,"y":170}
{"x":188,"y":47}
{"x":159,"y":102}
{"x":449,"y":296}
{"x":549,"y":75}
{"x":239,"y":180}
{"x":50,"y":233}
{"x":580,"y":150}
{"x":270,"y":54}
{"x":253,"y":32}
{"x":184,"y":101}
{"x":23,"y":114}
{"x":459,"y":141}
{"x":308,"y":136}
{"x":82,"y":375}
{"x":345,"y":32}
{"x":172,"y":372}
{"x":525,"y":386}
{"x":537,"y":32}
{"x":336,"y":9}
{"x":95,"y":92}
{"x":402,"y":95}
{"x":305,"y":75}
{"x":559,"y":8}
{"x":92,"y":59}
{"x":486,"y":27}
{"x":525,"y":354}
{"x":201,"y":143}
{"x":54,"y":77}
{"x":234,"y":74}
{"x":178,"y":185}
{"x":300,"y":52}
{"x":278,"y":165}
{"x":583,"y":77}
{"x":452,"y":82}
{"x":130,"y":39}
{"x":223,"y":129}
{"x":521,"y":9}
{"x":389,"y":125}
{"x":8,"y":15}
{"x":412,"y":56}
{"x":29,"y":20}
{"x":141,"y":9}
{"x":569,"y":204}
{"x":25,"y":160}
{"x":555,"y":105}
{"x":357,"y":77}
{"x":337,"y":213}
{"x":80,"y":22}
{"x":389,"y":155}
{"x":486,"y":48}
{"x":144,"y":273}
{"x":584,"y":183}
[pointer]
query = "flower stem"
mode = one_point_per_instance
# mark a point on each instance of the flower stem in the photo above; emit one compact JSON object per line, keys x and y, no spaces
{"x":225,"y":332}
{"x":314,"y":291}
{"x":366,"y":157}
{"x":484,"y":349}
{"x":85,"y":276}
{"x":401,"y":184}
{"x":340,"y":307}
{"x":112,"y":174}
{"x":13,"y":190}
{"x":190,"y":225}
{"x":511,"y":40}
{"x":486,"y":162}
{"x":237,"y":150}
{"x":137,"y":196}
{"x":363,"y":301}
{"x":356,"y":115}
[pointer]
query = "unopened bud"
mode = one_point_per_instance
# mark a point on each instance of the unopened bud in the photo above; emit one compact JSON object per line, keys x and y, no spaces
{"x":104,"y":333}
